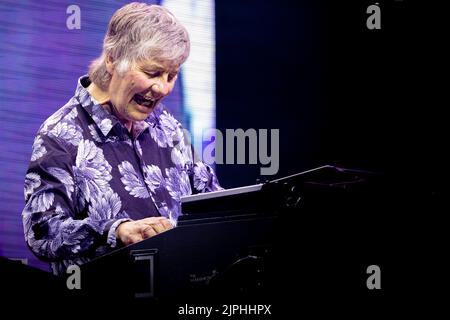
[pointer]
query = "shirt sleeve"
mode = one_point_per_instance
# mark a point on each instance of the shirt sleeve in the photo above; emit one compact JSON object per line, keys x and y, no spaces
{"x":55,"y":218}
{"x":203,"y":178}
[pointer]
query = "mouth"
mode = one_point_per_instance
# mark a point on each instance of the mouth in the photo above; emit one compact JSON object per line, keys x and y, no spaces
{"x":141,"y":100}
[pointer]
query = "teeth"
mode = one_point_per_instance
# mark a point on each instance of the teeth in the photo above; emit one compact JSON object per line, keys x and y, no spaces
{"x":143,"y":101}
{"x":147,"y":98}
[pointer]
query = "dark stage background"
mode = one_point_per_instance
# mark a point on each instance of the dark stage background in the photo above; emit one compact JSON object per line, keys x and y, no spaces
{"x":365,"y":99}
{"x":339,"y":92}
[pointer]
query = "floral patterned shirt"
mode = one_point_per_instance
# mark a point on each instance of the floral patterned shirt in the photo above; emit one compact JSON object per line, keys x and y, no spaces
{"x":88,"y":174}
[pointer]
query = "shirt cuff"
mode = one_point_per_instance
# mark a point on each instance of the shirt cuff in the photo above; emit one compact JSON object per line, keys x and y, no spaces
{"x":112,"y":239}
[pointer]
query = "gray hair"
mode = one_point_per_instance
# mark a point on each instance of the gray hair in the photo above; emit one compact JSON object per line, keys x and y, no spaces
{"x":138,"y":32}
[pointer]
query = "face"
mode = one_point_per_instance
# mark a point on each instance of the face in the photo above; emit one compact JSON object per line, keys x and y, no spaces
{"x":135,"y":94}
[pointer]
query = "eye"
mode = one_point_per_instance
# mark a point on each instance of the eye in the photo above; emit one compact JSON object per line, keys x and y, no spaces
{"x":172,"y":76}
{"x":153,"y":74}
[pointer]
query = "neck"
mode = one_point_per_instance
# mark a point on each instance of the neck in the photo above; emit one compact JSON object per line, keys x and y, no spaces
{"x":104,"y":100}
{"x":98,"y":94}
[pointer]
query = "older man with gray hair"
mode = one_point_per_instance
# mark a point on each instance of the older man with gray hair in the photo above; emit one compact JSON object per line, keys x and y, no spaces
{"x":110,"y":166}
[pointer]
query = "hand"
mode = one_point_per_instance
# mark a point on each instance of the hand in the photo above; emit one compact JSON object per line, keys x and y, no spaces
{"x":134,"y":231}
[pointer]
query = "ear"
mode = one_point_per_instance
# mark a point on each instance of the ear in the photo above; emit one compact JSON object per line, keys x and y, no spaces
{"x":109,"y":64}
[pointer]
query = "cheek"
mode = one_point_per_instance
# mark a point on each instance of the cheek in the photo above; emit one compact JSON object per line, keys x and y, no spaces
{"x":171,"y":86}
{"x":131,"y":84}
{"x":114,"y":85}
{"x":139,"y":84}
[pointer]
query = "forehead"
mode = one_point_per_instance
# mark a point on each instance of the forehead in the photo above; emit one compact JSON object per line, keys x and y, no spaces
{"x":153,"y":64}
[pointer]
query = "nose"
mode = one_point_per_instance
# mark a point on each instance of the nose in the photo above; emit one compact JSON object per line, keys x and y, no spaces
{"x":159,"y":90}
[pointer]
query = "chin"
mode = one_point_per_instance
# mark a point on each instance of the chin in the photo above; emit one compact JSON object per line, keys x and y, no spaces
{"x":141,"y":116}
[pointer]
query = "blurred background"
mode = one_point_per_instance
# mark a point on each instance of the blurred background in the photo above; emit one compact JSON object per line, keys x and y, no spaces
{"x":45,"y":47}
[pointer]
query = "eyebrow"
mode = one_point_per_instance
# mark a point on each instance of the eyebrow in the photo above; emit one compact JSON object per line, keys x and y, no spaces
{"x":156,"y":67}
{"x":153,"y":68}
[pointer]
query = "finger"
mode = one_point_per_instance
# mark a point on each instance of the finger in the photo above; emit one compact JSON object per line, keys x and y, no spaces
{"x":166,"y":223}
{"x":159,"y":227}
{"x":151,"y":220}
{"x":133,"y":238}
{"x":148,"y":231}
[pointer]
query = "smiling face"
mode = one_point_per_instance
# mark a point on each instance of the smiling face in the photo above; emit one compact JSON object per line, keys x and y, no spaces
{"x":135,"y":94}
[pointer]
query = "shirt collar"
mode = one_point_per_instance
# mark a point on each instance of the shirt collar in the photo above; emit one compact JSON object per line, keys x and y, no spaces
{"x":104,"y":120}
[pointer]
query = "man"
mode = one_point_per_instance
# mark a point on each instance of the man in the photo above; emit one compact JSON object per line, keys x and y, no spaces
{"x":110,"y":166}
